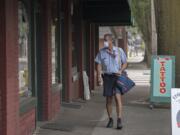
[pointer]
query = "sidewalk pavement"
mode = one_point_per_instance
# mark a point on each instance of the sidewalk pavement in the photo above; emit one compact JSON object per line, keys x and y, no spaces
{"x":91,"y":117}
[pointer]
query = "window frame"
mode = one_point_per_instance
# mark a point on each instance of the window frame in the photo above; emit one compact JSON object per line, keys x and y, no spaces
{"x":29,"y":103}
{"x":29,"y":44}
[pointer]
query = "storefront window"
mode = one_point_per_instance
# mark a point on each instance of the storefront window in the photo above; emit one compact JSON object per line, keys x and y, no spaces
{"x":54,"y":55}
{"x":23,"y":26}
{"x":55,"y":43}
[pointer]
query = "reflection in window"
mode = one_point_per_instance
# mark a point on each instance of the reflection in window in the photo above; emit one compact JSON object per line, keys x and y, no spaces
{"x":55,"y":42}
{"x":23,"y":26}
{"x":54,"y":54}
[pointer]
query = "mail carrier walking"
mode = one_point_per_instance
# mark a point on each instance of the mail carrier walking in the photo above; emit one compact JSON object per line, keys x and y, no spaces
{"x":112,"y":61}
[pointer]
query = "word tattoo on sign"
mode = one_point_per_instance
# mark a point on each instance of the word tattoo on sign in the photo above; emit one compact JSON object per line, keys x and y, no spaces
{"x":162,"y":77}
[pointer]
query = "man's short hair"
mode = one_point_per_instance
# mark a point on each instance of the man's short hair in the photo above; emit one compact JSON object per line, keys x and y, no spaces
{"x":108,"y":36}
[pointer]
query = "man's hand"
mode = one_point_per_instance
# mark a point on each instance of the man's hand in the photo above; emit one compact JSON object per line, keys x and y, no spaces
{"x":122,"y":69}
{"x":119,"y":73}
{"x":99,"y":79}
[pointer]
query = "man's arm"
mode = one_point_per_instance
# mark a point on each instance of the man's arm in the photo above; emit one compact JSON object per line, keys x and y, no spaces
{"x":123,"y":67}
{"x":99,"y":69}
{"x":124,"y":62}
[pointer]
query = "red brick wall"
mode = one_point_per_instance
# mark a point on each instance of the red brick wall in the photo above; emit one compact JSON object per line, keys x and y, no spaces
{"x":9,"y":99}
{"x":55,"y":104}
{"x":46,"y":59}
{"x":10,"y":121}
{"x":75,"y":90}
{"x":68,"y":50}
{"x":27,"y":123}
{"x":27,"y":120}
{"x":50,"y":101}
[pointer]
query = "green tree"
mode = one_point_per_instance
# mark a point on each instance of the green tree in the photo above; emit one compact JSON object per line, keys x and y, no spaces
{"x":141,"y":13}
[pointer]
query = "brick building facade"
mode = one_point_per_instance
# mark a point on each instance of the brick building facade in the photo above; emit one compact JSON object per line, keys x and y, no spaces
{"x":45,"y":45}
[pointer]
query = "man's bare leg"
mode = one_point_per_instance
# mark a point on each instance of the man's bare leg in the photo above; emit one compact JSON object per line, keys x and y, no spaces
{"x":109,"y":111}
{"x":118,"y":100}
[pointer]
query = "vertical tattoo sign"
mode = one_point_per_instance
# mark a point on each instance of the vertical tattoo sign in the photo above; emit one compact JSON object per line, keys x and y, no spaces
{"x":175,"y":111}
{"x":162,"y":76}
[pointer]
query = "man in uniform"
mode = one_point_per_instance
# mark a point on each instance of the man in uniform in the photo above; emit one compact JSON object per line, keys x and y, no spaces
{"x":112,"y":61}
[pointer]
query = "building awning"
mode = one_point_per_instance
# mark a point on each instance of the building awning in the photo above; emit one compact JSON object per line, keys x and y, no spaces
{"x":107,"y":12}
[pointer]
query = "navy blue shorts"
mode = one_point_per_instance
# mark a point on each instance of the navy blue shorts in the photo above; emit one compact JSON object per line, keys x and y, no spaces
{"x":109,"y":84}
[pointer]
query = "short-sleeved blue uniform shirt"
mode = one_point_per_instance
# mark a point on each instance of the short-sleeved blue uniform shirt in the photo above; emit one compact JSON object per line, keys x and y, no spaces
{"x":111,"y":62}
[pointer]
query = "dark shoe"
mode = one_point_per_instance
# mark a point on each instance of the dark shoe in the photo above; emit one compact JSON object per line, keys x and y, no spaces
{"x":119,"y":124}
{"x":110,"y":123}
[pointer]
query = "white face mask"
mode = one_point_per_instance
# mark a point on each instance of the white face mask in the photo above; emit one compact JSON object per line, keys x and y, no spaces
{"x":106,"y":44}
